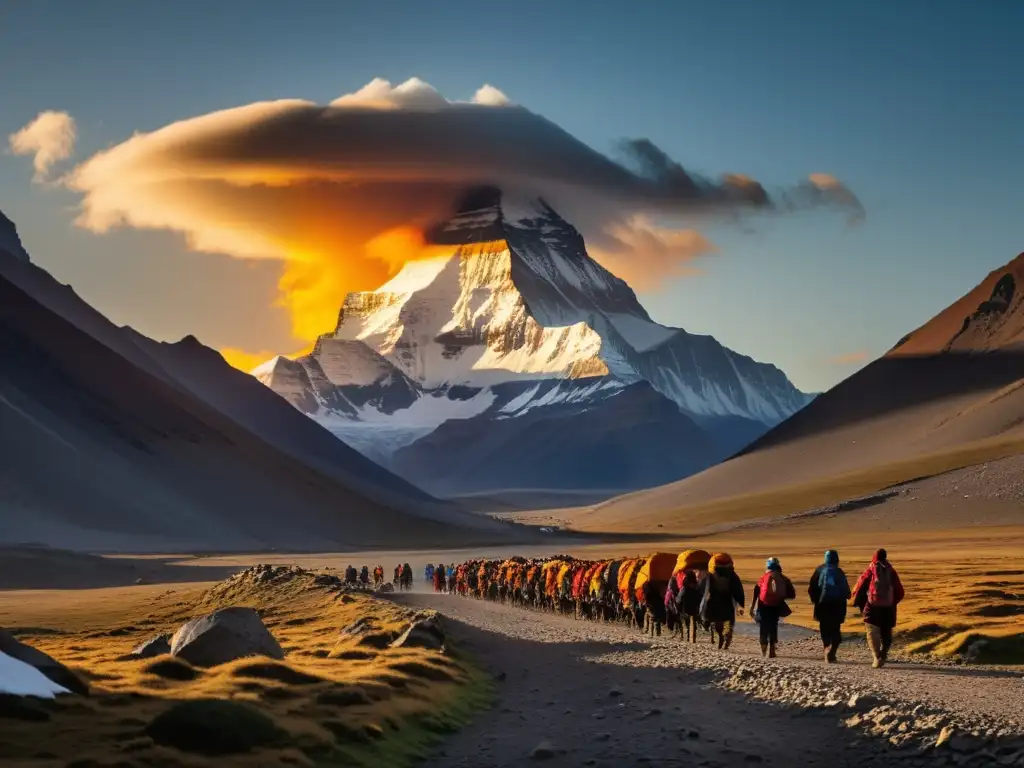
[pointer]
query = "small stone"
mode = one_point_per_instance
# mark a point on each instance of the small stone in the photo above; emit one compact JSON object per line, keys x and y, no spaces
{"x":603,"y":737}
{"x":614,"y":693}
{"x":500,"y":677}
{"x":944,"y":736}
{"x":543,"y":751}
{"x":692,"y":734}
{"x":650,"y":713}
{"x":863,"y":702}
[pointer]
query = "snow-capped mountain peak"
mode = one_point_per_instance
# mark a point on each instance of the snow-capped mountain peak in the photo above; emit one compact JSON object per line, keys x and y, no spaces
{"x":513,"y":306}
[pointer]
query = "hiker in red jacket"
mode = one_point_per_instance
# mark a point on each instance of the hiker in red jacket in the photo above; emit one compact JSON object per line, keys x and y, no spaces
{"x":877,"y":594}
{"x":769,"y":604}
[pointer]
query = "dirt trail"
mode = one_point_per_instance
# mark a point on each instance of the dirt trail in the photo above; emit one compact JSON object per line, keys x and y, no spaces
{"x":601,"y":695}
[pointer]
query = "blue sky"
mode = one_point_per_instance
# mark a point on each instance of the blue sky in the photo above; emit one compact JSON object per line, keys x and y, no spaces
{"x":915,"y":105}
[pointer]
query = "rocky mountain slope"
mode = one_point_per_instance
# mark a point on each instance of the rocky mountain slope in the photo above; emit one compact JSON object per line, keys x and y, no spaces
{"x":954,"y":386}
{"x":469,"y":358}
{"x":113,"y":441}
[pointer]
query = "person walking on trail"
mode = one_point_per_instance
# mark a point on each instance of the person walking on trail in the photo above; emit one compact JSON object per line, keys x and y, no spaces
{"x":364,"y":576}
{"x":829,"y":591}
{"x":769,"y":604}
{"x":877,"y":594}
{"x":428,"y":574}
{"x":439,"y":578}
{"x":723,"y":597}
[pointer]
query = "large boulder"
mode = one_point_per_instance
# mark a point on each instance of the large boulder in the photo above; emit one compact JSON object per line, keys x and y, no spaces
{"x":426,"y":633}
{"x":223,"y":636}
{"x":49,"y":666}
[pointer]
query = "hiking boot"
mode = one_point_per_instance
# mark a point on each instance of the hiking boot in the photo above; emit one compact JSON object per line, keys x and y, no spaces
{"x":877,"y":663}
{"x":771,"y":650}
{"x":764,"y":649}
{"x":728,"y":641}
{"x":830,"y":656}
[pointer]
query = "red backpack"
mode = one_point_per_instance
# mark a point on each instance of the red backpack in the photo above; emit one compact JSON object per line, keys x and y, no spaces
{"x":880,"y":590}
{"x":772,"y":589}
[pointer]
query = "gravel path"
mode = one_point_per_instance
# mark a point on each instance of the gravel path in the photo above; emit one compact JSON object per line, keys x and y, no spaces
{"x":590,"y":694}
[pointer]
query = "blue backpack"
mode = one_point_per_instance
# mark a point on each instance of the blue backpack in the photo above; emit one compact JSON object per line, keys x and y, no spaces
{"x":833,"y":585}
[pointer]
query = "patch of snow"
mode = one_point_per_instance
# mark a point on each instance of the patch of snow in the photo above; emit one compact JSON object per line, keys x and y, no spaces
{"x":20,"y":679}
{"x":264,"y":371}
{"x":416,"y":275}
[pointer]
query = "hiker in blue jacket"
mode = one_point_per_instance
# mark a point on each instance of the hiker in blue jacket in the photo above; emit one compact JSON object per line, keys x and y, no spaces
{"x":829,"y":591}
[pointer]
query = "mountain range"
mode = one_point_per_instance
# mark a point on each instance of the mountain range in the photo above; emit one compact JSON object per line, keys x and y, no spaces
{"x":113,"y":441}
{"x":515,"y":361}
{"x":947,"y":395}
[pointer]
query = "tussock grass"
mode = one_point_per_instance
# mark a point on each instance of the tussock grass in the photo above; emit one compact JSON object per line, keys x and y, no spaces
{"x":331,"y":701}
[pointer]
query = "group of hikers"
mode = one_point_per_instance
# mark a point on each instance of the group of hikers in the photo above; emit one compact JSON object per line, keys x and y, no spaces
{"x":693,"y":592}
{"x":361,"y":578}
{"x":441,"y":577}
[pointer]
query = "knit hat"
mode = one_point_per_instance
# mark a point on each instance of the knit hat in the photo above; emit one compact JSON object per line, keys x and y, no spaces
{"x":831,"y":557}
{"x":772,"y":564}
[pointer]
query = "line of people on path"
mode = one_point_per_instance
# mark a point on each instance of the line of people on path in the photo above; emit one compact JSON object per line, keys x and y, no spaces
{"x":687,"y":593}
{"x":441,"y":577}
{"x":877,"y":593}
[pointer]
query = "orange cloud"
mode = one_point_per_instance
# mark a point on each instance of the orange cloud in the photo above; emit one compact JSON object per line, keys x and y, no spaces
{"x":850,"y":358}
{"x":647,"y":256}
{"x":246,"y":361}
{"x":49,"y":138}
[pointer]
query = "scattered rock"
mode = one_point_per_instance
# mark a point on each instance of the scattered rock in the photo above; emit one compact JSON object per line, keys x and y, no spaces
{"x":603,"y":737}
{"x":155,"y":646}
{"x":650,"y":713}
{"x":614,"y":693}
{"x":49,"y":666}
{"x":358,"y":628}
{"x":422,"y":634}
{"x":223,"y":636}
{"x":692,"y":734}
{"x":500,"y":677}
{"x":944,"y":736}
{"x":213,"y":727}
{"x":387,"y":586}
{"x":543,"y":751}
{"x":862,"y":702}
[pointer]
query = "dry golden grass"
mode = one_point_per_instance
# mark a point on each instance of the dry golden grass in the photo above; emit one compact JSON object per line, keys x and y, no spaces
{"x":331,"y":701}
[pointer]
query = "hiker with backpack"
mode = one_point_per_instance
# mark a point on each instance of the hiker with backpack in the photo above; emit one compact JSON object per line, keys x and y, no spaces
{"x":877,"y":594}
{"x":829,"y":591}
{"x":769,"y":604}
{"x":723,"y":597}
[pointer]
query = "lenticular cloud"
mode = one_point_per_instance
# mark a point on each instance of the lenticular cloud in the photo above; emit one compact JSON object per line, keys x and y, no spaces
{"x":314,"y":184}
